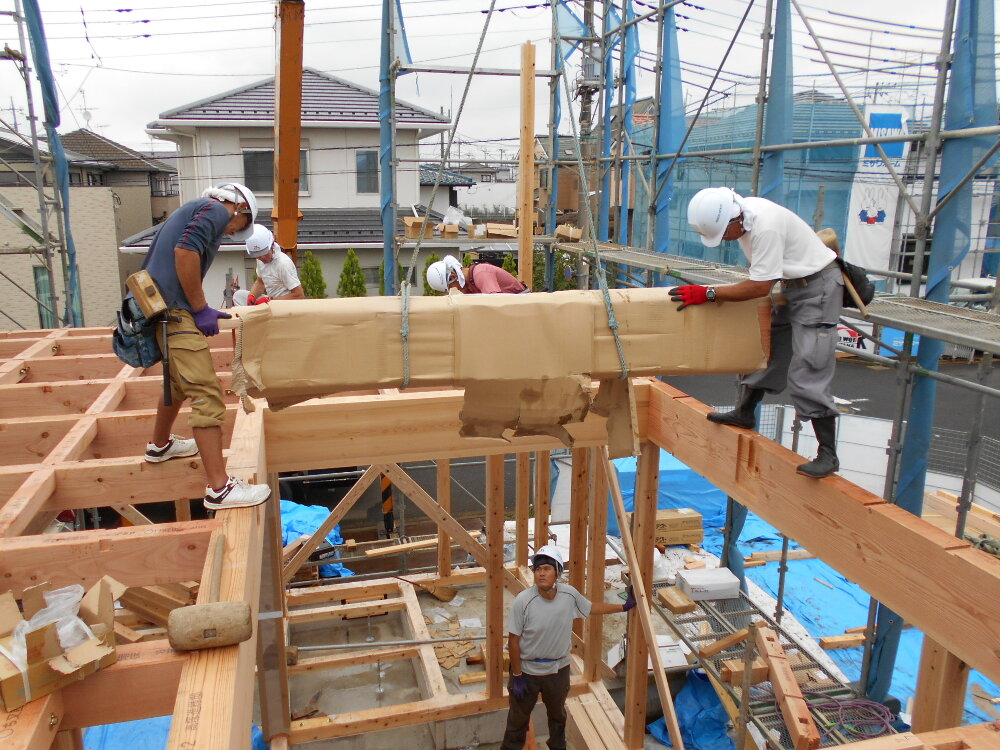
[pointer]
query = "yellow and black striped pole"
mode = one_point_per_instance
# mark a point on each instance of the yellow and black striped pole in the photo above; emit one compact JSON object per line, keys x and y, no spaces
{"x":388,"y":519}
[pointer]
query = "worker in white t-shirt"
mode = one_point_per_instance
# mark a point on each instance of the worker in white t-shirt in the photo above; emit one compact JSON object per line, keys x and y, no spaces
{"x":779,"y":246}
{"x":277,"y":277}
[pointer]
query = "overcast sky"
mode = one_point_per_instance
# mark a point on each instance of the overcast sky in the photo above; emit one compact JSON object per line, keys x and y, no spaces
{"x":119,"y":65}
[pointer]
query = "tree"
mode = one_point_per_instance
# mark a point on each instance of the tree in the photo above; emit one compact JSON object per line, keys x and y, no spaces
{"x":467,"y":260}
{"x":509,"y":264}
{"x":563,"y":262}
{"x":352,"y":278}
{"x":428,"y":292}
{"x":311,"y":276}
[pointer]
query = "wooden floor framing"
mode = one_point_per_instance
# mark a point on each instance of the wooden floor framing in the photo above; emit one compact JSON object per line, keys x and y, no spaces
{"x":73,"y":427}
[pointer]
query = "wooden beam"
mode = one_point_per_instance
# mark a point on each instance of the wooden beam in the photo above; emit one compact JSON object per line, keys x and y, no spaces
{"x":34,"y":725}
{"x":522,"y":507}
{"x":715,"y":647}
{"x":884,"y":549}
{"x":974,"y":737}
{"x":526,"y":169}
{"x":272,"y":664}
{"x":443,"y":475}
{"x":427,"y":668}
{"x":494,"y":583}
{"x":794,"y":710}
{"x":578,"y":524}
{"x":134,"y":555}
{"x":543,"y":497}
{"x":942,"y":683}
{"x":345,"y":504}
{"x":597,"y":530}
{"x":643,"y":607}
{"x":445,"y":520}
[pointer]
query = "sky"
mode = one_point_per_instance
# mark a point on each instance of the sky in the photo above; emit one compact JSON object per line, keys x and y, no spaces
{"x":120,"y":63}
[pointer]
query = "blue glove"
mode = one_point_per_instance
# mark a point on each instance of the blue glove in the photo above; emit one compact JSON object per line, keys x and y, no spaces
{"x":207,"y":320}
{"x":519,"y":686}
{"x":629,"y":600}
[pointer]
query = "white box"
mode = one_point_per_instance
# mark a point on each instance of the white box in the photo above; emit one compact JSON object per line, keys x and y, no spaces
{"x":709,"y":583}
{"x":672,"y":653}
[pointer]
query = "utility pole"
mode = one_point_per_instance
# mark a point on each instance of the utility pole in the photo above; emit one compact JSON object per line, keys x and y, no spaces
{"x":588,"y":153}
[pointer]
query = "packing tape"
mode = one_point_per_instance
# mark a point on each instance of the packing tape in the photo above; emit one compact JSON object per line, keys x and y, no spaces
{"x":23,"y":670}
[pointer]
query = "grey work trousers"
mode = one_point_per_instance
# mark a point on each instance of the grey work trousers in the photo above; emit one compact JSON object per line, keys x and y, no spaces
{"x":554,"y":689}
{"x":804,"y":345}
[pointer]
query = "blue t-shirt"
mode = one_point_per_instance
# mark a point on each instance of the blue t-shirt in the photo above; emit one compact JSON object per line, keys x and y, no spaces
{"x":197,"y":226}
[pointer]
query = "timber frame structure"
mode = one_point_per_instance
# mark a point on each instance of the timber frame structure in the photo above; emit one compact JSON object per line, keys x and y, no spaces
{"x":73,"y":425}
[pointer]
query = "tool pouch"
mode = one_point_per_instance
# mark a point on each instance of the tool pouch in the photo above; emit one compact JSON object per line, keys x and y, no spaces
{"x":859,"y":280}
{"x":134,"y":339}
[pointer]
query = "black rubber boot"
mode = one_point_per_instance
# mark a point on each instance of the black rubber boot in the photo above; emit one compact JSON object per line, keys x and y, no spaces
{"x":826,"y":461}
{"x":745,"y":413}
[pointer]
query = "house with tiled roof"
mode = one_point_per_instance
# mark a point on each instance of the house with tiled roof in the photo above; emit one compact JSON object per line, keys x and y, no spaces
{"x":230,"y":136}
{"x":448,"y":183}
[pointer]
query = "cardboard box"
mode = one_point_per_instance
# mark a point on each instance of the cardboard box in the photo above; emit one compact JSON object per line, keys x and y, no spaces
{"x":568,"y":233}
{"x":415,"y":225}
{"x":677,"y":526}
{"x":708,"y":583}
{"x":505,"y":231}
{"x":449,"y":231}
{"x":49,"y":667}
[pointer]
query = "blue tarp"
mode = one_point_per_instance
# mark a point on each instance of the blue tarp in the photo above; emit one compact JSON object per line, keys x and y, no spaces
{"x":820,"y":609}
{"x":700,"y":715}
{"x":145,"y":734}
{"x":297,"y":520}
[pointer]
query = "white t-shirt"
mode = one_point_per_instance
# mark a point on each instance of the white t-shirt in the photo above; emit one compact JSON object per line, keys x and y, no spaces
{"x":545,"y":627}
{"x":778,"y":244}
{"x":280,"y":276}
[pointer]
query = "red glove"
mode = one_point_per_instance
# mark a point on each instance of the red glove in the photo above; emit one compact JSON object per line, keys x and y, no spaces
{"x":263,"y":300}
{"x":691,"y":294}
{"x":250,"y":299}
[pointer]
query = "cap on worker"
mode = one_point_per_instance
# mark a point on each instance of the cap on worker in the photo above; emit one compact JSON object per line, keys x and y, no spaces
{"x":260,"y":242}
{"x":234,"y":192}
{"x":548,"y":555}
{"x":440,"y":271}
{"x":710,"y":212}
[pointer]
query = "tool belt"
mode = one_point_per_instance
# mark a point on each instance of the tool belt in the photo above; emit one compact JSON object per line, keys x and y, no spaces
{"x":805,"y":280}
{"x":134,"y":339}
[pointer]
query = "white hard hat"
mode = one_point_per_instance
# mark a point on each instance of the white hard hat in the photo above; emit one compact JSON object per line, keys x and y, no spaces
{"x":548,"y":554}
{"x":241,"y":298}
{"x":710,"y":212}
{"x":234,"y":192}
{"x":260,"y":242}
{"x":439,"y":272}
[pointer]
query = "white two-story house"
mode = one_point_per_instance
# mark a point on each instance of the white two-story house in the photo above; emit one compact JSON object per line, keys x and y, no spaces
{"x":231,"y":137}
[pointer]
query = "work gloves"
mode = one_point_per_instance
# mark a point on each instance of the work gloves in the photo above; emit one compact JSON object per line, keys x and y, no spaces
{"x":261,"y":300}
{"x":691,"y":294}
{"x":629,"y":600}
{"x":207,"y":320}
{"x":519,"y":686}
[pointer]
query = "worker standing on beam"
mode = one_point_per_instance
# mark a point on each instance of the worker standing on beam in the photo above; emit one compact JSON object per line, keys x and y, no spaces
{"x":178,"y":259}
{"x":479,"y":278}
{"x":779,"y":246}
{"x":277,"y":277}
{"x":539,"y":637}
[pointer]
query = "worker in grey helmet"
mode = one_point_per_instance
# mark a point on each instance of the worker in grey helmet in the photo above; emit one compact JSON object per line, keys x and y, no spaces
{"x":540,"y":630}
{"x":780,"y":247}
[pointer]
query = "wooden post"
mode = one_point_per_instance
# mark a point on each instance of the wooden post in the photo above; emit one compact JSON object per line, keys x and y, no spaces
{"x":522,"y":508}
{"x":642,"y":608}
{"x":494,"y":582}
{"x":941,"y":687}
{"x":543,"y":481}
{"x":578,"y":511}
{"x":596,"y":541}
{"x":526,"y":168}
{"x":643,"y":521}
{"x":272,"y":664}
{"x":289,"y":31}
{"x":444,"y":500}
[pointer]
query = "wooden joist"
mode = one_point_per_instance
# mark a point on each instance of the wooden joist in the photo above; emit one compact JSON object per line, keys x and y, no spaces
{"x":794,"y":710}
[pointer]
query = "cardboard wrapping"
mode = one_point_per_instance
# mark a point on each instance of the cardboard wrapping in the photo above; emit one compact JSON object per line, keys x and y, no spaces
{"x":512,"y":347}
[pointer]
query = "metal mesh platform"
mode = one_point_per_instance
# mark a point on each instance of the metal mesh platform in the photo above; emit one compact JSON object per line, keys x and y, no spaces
{"x":833,"y":704}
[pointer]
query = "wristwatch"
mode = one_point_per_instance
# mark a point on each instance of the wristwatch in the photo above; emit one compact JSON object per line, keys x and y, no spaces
{"x":710,"y":294}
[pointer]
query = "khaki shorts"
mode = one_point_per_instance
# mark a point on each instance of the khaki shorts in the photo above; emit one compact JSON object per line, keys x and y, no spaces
{"x":192,"y":373}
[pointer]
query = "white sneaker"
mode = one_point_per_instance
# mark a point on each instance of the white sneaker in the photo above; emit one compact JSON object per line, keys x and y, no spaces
{"x":176,"y":447}
{"x":238,"y":493}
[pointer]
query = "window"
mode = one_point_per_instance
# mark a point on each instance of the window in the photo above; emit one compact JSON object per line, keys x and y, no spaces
{"x":371,"y":276}
{"x":43,"y":292}
{"x":258,"y":170}
{"x":486,"y":177}
{"x":367,"y":171}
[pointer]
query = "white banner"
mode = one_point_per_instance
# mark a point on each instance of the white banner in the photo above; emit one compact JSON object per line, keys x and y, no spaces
{"x":874,"y":194}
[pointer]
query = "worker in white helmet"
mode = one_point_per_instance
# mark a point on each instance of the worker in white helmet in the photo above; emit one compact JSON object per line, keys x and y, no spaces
{"x":179,"y":256}
{"x":277,"y":277}
{"x":539,"y":636}
{"x":779,"y":246}
{"x":479,"y":278}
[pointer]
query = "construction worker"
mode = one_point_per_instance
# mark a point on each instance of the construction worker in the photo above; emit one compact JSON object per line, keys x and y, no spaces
{"x":479,"y":278}
{"x":779,"y":246}
{"x":540,"y":629}
{"x":277,"y":277}
{"x":178,"y":259}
